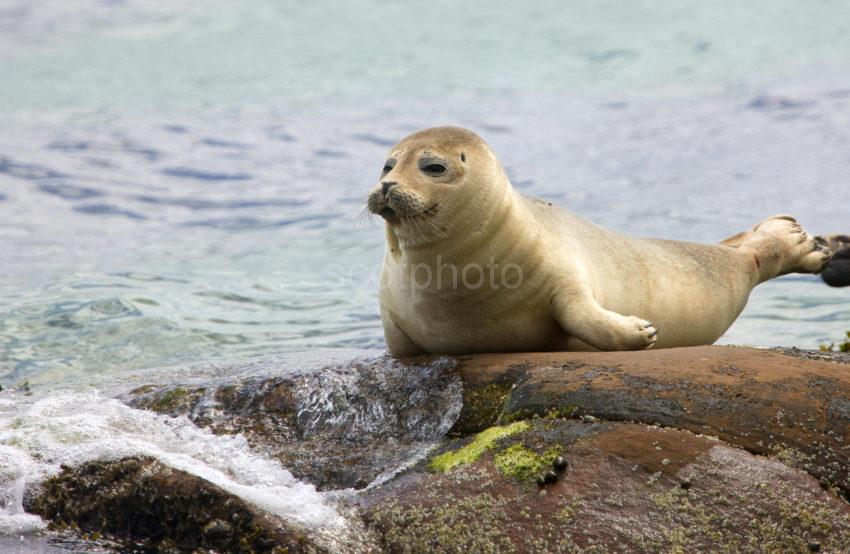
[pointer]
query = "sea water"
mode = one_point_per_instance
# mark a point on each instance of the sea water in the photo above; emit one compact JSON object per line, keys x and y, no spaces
{"x":185,"y":181}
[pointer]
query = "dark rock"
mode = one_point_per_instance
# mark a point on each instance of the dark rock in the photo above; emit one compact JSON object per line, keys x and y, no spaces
{"x":218,"y":531}
{"x":149,"y":506}
{"x":837,"y":273}
{"x":559,"y":463}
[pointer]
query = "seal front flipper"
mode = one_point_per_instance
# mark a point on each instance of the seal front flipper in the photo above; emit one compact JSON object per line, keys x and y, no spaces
{"x":582,"y":317}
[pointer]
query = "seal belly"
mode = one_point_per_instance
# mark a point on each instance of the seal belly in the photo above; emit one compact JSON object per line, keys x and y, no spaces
{"x":493,"y":321}
{"x":526,"y":332}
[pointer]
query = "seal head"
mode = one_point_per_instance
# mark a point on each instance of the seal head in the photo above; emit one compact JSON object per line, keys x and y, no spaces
{"x":417,"y":193}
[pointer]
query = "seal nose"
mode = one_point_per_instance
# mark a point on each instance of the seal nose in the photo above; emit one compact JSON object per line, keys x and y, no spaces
{"x":386,"y":186}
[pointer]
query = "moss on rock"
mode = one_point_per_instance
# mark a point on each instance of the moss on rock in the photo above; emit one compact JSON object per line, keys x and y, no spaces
{"x":565,"y":411}
{"x":480,"y":443}
{"x":171,"y":400}
{"x":522,"y":463}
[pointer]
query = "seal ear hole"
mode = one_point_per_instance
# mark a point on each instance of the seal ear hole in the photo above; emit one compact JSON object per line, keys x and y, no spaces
{"x":462,"y":157}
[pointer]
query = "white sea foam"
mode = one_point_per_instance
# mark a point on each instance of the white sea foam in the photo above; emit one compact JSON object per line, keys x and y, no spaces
{"x":42,"y":431}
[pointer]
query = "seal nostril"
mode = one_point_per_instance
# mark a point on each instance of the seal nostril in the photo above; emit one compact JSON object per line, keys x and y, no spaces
{"x":386,"y":186}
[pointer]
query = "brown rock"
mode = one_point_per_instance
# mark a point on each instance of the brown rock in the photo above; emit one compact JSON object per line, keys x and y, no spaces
{"x":789,"y":407}
{"x":619,"y":495}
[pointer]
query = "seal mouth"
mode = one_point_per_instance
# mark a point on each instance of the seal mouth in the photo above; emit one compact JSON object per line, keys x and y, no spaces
{"x":393,"y":218}
{"x":389,"y":215}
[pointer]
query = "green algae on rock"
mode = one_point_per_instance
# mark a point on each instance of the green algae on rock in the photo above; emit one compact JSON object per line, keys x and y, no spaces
{"x":480,"y":444}
{"x":523,"y":463}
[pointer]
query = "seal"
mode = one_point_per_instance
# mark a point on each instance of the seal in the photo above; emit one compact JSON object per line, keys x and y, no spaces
{"x":472,"y":266}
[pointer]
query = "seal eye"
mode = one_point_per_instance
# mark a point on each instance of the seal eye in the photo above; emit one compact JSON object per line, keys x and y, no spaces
{"x":387,"y":169}
{"x":388,"y":166}
{"x":434,"y":169}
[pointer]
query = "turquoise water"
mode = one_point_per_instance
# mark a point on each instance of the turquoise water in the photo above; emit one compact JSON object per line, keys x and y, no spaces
{"x":183,"y":181}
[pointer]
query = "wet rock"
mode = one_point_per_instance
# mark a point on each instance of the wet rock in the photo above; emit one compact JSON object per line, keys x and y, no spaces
{"x":837,"y":273}
{"x":559,"y":463}
{"x":148,"y":506}
{"x":218,"y":531}
{"x":690,"y":449}
{"x":340,"y":427}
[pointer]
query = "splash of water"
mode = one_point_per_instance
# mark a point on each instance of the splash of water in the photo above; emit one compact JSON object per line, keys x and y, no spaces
{"x":40,"y":432}
{"x":340,"y":422}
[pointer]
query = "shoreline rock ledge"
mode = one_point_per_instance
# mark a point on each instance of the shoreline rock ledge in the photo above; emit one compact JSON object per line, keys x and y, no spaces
{"x":715,"y":449}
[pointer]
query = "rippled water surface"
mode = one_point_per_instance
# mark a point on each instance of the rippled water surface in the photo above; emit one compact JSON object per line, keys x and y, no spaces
{"x":184,"y":182}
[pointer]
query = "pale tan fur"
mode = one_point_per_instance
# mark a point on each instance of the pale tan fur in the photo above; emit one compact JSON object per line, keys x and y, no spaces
{"x":583,"y":287}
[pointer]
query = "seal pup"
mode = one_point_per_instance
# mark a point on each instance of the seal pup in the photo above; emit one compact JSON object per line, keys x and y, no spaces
{"x":472,"y":266}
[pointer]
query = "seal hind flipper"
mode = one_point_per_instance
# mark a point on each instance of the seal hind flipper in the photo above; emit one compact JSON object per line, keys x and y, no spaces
{"x":779,"y":246}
